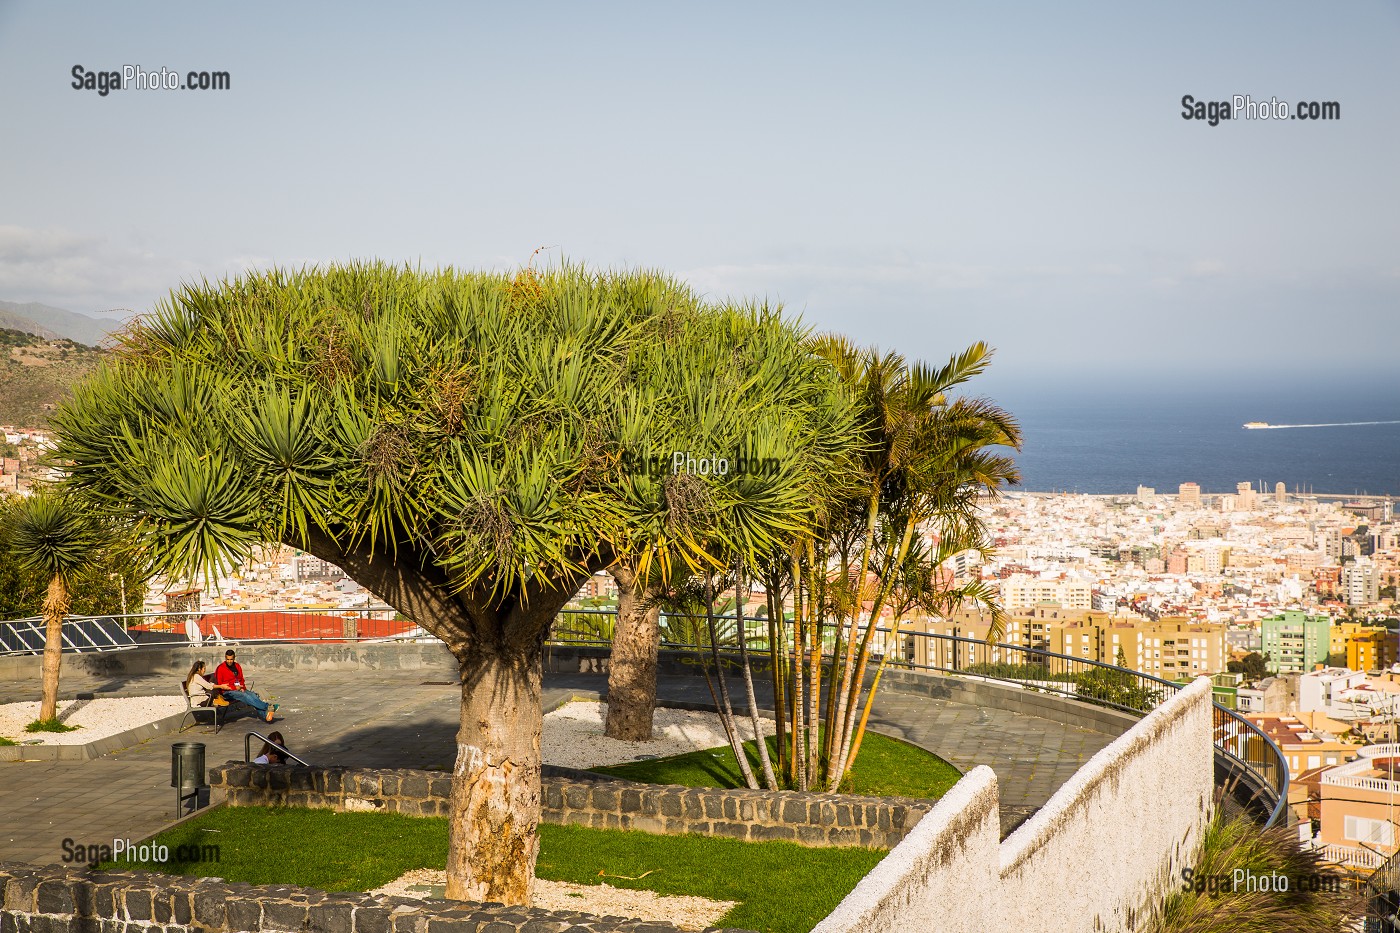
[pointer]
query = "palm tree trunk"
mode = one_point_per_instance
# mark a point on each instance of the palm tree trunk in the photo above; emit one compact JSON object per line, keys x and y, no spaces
{"x":777,"y":663}
{"x":799,"y":674}
{"x":816,"y":580}
{"x":495,"y":802}
{"x":55,"y":607}
{"x":870,"y":697}
{"x":842,"y":759}
{"x":632,"y":664}
{"x":842,"y":689}
{"x":726,"y":710}
{"x":764,"y":761}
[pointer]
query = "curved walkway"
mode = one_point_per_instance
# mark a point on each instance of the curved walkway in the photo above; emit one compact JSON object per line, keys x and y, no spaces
{"x":408,"y":719}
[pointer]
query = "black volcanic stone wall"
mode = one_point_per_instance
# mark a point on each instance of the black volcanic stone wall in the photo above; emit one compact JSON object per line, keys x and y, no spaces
{"x":42,"y":899}
{"x":584,"y":799}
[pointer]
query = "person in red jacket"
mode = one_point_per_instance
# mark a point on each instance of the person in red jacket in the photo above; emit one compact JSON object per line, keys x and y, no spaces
{"x":229,"y":676}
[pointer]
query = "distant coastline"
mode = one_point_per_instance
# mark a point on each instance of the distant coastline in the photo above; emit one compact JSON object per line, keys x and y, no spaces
{"x":1339,"y":496}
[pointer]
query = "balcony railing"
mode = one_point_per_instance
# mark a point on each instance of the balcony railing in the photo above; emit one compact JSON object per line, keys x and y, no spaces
{"x":1353,"y":857}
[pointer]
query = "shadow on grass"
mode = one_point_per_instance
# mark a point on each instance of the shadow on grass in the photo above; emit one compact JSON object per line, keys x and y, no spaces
{"x":885,"y":767}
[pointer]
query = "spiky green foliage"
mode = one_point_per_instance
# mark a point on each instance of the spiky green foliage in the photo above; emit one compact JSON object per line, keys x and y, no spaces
{"x":50,"y":535}
{"x":477,"y":420}
{"x":1219,"y":898}
{"x":925,"y":457}
{"x":114,"y":566}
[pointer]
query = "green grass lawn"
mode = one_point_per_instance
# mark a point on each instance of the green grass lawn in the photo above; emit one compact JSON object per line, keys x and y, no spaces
{"x":780,"y":887}
{"x":885,"y":767}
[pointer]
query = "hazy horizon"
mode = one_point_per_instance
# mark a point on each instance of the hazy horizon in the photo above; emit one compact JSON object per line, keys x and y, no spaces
{"x":914,"y":176}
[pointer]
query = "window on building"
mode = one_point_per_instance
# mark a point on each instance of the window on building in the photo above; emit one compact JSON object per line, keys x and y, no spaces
{"x":1376,"y":832}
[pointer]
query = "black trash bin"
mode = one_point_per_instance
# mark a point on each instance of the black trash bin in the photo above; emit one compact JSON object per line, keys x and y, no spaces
{"x":187,"y":776}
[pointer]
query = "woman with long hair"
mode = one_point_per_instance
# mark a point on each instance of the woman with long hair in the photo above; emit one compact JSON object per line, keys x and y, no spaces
{"x":270,"y":754}
{"x":195,"y":679}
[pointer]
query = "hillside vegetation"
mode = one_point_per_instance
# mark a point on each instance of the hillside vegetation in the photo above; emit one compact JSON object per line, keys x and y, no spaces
{"x":36,"y":374}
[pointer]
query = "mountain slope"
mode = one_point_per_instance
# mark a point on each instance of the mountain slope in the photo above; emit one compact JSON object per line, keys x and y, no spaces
{"x":50,"y":322}
{"x":36,"y":375}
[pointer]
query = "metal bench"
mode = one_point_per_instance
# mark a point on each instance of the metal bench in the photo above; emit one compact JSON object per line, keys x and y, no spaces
{"x":220,"y":711}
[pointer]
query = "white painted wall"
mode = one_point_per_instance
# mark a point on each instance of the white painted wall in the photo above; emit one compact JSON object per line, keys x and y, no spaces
{"x":1097,"y":858}
{"x":942,"y":876}
{"x":1111,"y":840}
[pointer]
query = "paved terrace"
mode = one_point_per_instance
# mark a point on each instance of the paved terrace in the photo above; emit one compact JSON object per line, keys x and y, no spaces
{"x":402,"y":719}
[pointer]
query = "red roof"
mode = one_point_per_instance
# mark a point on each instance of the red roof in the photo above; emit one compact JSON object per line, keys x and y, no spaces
{"x":292,"y":626}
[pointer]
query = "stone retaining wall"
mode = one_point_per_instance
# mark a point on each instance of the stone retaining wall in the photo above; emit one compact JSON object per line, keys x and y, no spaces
{"x":819,"y":820}
{"x":36,"y":899}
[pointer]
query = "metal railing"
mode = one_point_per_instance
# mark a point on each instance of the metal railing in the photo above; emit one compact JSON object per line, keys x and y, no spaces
{"x":1245,"y":756}
{"x":98,"y":633}
{"x":1249,"y":764}
{"x":248,"y":748}
{"x":1352,"y":856}
{"x":214,"y":627}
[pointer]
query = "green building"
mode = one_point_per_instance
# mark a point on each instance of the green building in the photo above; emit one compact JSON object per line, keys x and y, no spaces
{"x":1224,"y":688}
{"x":1295,"y":641}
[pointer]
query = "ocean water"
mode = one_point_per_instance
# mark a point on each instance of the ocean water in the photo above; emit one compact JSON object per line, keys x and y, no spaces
{"x":1108,"y":440}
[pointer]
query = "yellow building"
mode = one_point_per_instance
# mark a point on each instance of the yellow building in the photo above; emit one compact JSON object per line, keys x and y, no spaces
{"x":1373,"y":650}
{"x":1167,"y":648}
{"x":1361,"y":647}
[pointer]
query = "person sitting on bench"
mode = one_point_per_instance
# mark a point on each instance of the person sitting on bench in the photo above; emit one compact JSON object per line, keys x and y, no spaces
{"x":229,"y":678}
{"x":195,"y":679}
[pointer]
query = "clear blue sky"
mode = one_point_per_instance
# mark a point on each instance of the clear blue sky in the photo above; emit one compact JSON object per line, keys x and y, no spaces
{"x":917,"y":175}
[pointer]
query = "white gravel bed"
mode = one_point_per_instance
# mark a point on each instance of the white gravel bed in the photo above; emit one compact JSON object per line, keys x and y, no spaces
{"x":573,"y":735}
{"x":96,"y":719}
{"x":601,"y":900}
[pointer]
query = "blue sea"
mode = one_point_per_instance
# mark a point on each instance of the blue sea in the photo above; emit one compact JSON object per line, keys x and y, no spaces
{"x":1109,"y":439}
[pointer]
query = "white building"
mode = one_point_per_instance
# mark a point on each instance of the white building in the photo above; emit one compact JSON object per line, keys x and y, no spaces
{"x":1022,"y":591}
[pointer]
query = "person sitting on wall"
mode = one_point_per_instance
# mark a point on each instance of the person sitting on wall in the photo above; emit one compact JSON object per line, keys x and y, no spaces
{"x":270,"y":753}
{"x":229,"y":677}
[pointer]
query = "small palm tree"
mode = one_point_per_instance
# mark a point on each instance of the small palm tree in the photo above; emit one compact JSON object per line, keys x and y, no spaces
{"x":52,"y":536}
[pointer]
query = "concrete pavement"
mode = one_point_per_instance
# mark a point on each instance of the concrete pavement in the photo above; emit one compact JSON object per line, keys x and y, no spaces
{"x":408,"y":719}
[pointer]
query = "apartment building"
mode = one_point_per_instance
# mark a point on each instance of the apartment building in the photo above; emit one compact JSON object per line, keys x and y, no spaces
{"x":1358,"y":808}
{"x":1302,"y":747}
{"x":1361,"y":582}
{"x":1342,"y":694}
{"x":1362,"y":647}
{"x":1295,"y":641}
{"x":1168,"y":648}
{"x":1022,"y":591}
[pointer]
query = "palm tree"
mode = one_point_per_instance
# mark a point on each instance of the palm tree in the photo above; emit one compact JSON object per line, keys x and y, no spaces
{"x":50,"y":534}
{"x":925,"y":458}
